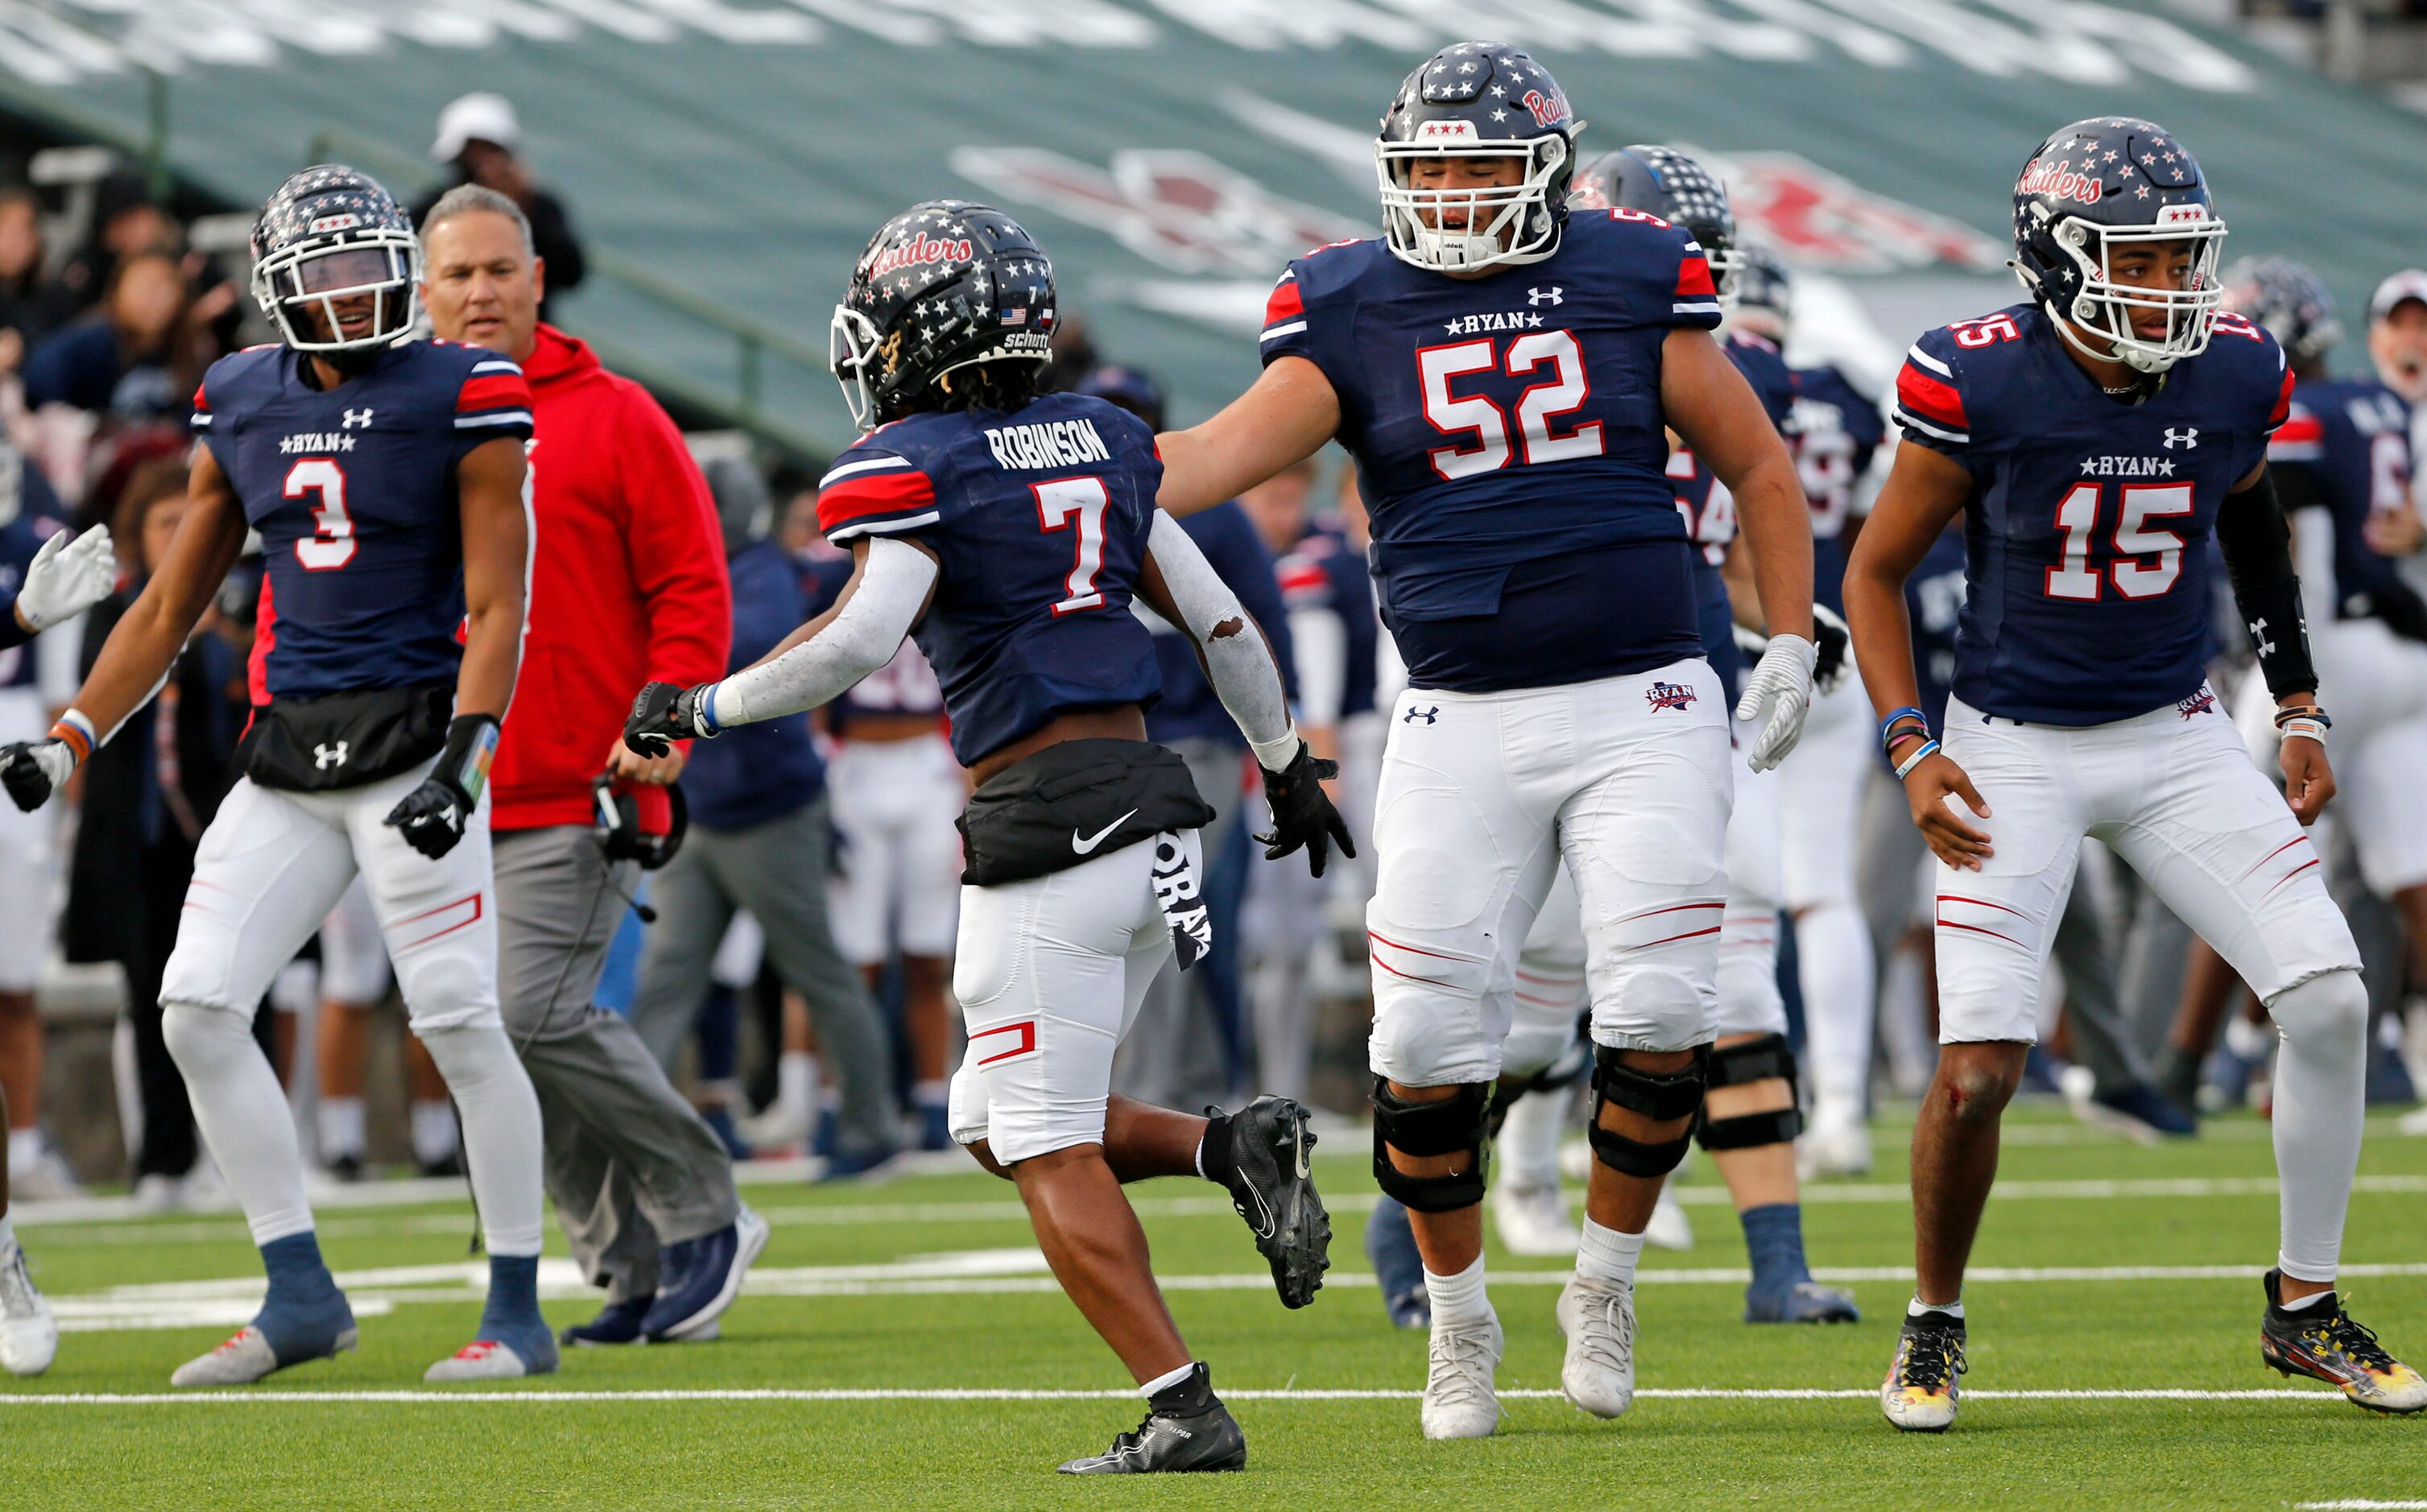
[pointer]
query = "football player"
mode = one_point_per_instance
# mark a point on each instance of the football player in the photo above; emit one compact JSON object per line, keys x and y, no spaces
{"x":1505,"y":371}
{"x":2096,"y":436}
{"x":1007,"y":531}
{"x":385,"y":479}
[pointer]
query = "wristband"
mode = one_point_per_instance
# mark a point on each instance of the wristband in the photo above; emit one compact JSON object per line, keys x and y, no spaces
{"x":1275,"y":754}
{"x":1901,"y":716}
{"x":2304,"y":724}
{"x":704,"y":712}
{"x":1905,"y":766}
{"x":471,"y":745}
{"x":2305,"y":712}
{"x":75,"y":731}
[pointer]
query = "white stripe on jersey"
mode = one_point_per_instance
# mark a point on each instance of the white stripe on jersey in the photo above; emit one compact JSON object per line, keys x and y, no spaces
{"x":864,"y":465}
{"x":202,"y":419}
{"x":1905,"y":416}
{"x":1914,"y":353}
{"x":1300,"y":325}
{"x":1705,"y":307}
{"x":910,"y":521}
{"x":466,"y":422}
{"x":497,"y":365}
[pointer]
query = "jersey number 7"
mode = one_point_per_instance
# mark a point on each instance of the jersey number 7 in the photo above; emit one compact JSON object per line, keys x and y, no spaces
{"x":1083,"y":500}
{"x":2130,"y":566}
{"x":1564,"y":394}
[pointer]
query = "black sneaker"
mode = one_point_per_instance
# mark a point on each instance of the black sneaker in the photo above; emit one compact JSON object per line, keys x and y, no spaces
{"x":1266,"y":1174}
{"x":1920,"y":1393}
{"x":2324,"y":1343}
{"x":1186,"y":1429}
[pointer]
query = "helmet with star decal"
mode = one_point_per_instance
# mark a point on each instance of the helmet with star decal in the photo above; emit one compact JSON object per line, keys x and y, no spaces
{"x":1476,"y":100}
{"x":2092,"y":190}
{"x":1665,"y":182}
{"x":334,"y":263}
{"x":944,"y":286}
{"x":2287,"y":302}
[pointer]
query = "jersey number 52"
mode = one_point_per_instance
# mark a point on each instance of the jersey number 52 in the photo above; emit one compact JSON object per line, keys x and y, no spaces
{"x":1563,"y":394}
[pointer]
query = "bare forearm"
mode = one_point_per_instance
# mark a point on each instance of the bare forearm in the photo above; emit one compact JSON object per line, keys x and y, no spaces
{"x":1883,"y":635}
{"x":1777,"y":528}
{"x":484,"y":684}
{"x":134,"y":661}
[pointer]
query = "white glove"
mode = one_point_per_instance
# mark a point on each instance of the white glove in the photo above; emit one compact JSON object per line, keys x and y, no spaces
{"x":33,"y":771}
{"x":1778,"y":694}
{"x":67,"y":577}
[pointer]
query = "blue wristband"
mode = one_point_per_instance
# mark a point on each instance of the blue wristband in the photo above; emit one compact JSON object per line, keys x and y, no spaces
{"x":707,"y":707}
{"x":1899,"y":715}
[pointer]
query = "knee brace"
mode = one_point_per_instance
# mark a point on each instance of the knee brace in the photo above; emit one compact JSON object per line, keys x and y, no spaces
{"x":1660,"y":1095}
{"x":1444,"y":1128}
{"x":1736,"y":1066}
{"x":2329,"y":1010}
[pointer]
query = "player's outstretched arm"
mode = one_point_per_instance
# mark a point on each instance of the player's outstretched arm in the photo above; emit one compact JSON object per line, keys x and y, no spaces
{"x":65,"y":578}
{"x":2258,"y":545}
{"x":135,"y":658}
{"x":1181,"y":586}
{"x":1922,"y":494}
{"x":891,"y":582}
{"x":1285,"y":419}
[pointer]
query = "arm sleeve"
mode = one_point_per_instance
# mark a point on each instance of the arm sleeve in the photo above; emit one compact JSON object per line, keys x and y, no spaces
{"x":1236,"y":661}
{"x":676,"y":546}
{"x":2257,"y":546}
{"x":862,"y":637}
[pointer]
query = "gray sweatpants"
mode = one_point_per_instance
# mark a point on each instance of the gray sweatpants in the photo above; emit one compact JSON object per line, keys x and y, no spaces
{"x":629,"y":1164}
{"x":777,"y":870}
{"x":1172,"y":1055}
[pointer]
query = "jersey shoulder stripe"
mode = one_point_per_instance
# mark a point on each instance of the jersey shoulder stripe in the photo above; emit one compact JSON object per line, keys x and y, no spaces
{"x":2301,"y":437}
{"x":1928,"y":401}
{"x":876,"y":494}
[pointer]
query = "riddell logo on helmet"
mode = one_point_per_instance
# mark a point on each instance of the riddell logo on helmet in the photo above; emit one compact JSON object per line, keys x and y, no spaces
{"x":919,"y":249}
{"x":2060,"y":181}
{"x":1548,"y":109}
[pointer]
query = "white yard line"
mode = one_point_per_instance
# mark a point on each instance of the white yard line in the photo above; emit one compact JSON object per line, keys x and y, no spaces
{"x":2357,"y":1505}
{"x":543,"y":1395}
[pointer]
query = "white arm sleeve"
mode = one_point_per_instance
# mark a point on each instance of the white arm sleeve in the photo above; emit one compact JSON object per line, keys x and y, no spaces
{"x":1321,"y":642}
{"x":1236,"y":657}
{"x":892,"y":586}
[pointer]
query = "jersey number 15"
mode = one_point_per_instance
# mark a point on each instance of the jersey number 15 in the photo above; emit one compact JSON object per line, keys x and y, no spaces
{"x":2143,"y":564}
{"x":1563,"y":394}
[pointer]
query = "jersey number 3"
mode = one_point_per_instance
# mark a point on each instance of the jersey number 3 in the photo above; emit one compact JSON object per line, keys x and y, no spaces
{"x":332,"y":543}
{"x":2143,"y":563}
{"x":1564,"y":394}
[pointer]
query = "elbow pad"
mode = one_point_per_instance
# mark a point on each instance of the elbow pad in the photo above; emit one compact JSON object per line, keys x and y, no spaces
{"x":2257,"y":546}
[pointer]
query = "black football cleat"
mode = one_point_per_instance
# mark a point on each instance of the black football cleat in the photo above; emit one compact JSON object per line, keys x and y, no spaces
{"x":2324,"y":1343}
{"x":1273,"y":1192}
{"x":1186,"y":1429}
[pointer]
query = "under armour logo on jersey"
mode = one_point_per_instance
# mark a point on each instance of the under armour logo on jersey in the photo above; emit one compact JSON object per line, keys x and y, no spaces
{"x":361,"y":418}
{"x":1548,"y":295}
{"x":2258,"y":641}
{"x":325,"y":757}
{"x":2187,"y":435}
{"x":1427,"y":715}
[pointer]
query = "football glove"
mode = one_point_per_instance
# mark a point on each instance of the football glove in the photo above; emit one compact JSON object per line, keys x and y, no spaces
{"x":1830,"y":634}
{"x":67,"y":577}
{"x":1302,"y":811}
{"x":1777,"y":697}
{"x":664,"y":713}
{"x":33,"y":769}
{"x":433,"y":816}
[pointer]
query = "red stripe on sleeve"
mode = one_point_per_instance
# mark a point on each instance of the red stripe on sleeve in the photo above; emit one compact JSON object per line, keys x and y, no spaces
{"x":1303,"y":577}
{"x":202,"y":400}
{"x":886,"y":492}
{"x":1286,"y":302}
{"x":2282,"y":401}
{"x":493,"y":390}
{"x":2301,"y":427}
{"x":1930,"y":398}
{"x":1694,"y":276}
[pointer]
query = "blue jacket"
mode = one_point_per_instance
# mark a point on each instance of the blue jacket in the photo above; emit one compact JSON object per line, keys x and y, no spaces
{"x":752,"y":773}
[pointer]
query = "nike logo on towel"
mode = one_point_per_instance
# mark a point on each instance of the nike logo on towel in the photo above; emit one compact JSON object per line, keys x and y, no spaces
{"x":1087,"y":846}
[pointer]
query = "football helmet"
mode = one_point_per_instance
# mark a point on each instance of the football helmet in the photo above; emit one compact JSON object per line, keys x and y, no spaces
{"x":1128,"y":388}
{"x":2287,"y":302}
{"x":1765,"y":292}
{"x":1665,"y":182}
{"x":330,"y":235}
{"x":943,"y":285}
{"x":1476,"y":100}
{"x":2096,"y":186}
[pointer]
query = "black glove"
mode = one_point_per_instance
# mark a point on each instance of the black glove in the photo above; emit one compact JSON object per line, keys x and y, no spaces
{"x":663,"y":714}
{"x":1302,"y":811}
{"x":434,"y":815}
{"x":1830,"y":634}
{"x":33,"y":769}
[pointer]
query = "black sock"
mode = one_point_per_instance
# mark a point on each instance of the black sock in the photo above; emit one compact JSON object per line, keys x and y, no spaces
{"x":1213,"y":1154}
{"x":1189,"y":1397}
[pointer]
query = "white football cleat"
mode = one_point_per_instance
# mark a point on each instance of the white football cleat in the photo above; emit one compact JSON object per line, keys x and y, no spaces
{"x":1459,"y":1402}
{"x":1667,"y":1229}
{"x":1599,"y":1319}
{"x":483,"y":1359}
{"x":244,"y":1359}
{"x":1837,"y":1143}
{"x":47,"y":1178}
{"x":1533,"y":1220}
{"x":30,"y":1336}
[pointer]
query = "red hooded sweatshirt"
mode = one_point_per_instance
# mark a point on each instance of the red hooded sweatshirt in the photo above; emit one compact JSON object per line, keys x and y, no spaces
{"x":627,"y":581}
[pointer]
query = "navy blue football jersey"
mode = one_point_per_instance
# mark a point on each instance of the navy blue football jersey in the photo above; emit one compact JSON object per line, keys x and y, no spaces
{"x":2351,"y":436}
{"x":1834,"y":432}
{"x":1709,"y":509}
{"x":2082,"y":607}
{"x":353,"y":493}
{"x":1038,"y":521}
{"x":1323,"y":571}
{"x":1933,"y":601}
{"x":1509,"y":442}
{"x":905,"y":684}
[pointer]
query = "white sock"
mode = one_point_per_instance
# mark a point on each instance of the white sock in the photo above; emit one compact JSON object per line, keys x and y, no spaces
{"x":8,"y":1234}
{"x":2299,"y":1303}
{"x":1165,"y":1381}
{"x":930,"y":1093}
{"x":2321,"y":1103}
{"x":1459,"y":1298}
{"x":501,"y":1141}
{"x":796,"y":1086}
{"x":1953,"y":1309}
{"x":1608,"y":1256}
{"x":341,"y":1128}
{"x":242,"y":1114}
{"x":1839,"y":979}
{"x":1529,"y":1141}
{"x":25,"y":1149}
{"x":433,"y":1131}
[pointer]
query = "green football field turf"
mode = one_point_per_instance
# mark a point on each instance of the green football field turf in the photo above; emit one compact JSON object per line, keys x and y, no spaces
{"x":929,"y":1287}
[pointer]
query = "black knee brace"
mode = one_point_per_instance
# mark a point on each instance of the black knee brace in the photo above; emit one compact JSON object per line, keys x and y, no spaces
{"x":1568,"y":1069}
{"x":1660,"y":1095}
{"x":1444,"y":1128}
{"x":1736,"y":1066}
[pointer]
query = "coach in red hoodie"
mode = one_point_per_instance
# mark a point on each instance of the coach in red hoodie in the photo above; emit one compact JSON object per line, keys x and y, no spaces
{"x":627,"y":586}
